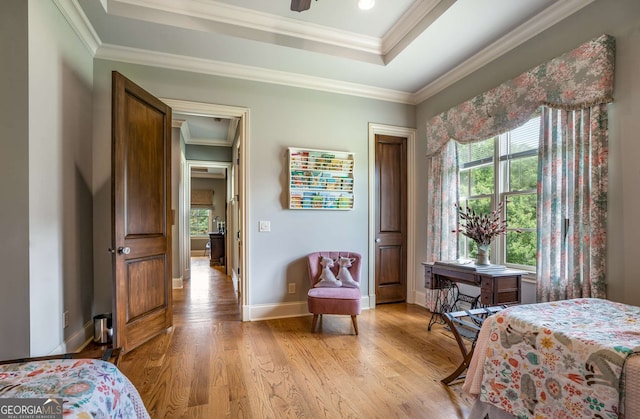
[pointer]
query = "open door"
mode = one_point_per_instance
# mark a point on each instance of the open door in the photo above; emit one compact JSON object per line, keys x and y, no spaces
{"x":141,"y":214}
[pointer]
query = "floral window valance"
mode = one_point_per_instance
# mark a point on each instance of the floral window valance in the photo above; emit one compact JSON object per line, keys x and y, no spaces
{"x":577,"y":79}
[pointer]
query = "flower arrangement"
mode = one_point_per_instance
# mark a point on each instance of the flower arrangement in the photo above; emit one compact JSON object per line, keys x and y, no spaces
{"x":481,"y":228}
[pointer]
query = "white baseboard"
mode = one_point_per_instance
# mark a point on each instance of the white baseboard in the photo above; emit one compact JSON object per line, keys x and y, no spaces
{"x":279,"y":311}
{"x":80,"y":339}
{"x":234,"y":280}
{"x":60,"y":349}
{"x":420,"y":298}
{"x":177,"y":283}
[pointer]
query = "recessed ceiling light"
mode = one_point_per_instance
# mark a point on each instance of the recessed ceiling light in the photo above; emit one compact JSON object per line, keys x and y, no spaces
{"x":366,"y":4}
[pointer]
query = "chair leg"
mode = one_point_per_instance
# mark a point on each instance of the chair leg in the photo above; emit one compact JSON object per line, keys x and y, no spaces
{"x":354,"y":319}
{"x":314,"y":322}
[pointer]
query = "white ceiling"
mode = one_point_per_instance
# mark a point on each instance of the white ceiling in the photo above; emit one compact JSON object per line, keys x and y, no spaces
{"x":401,"y":50}
{"x":206,"y":130}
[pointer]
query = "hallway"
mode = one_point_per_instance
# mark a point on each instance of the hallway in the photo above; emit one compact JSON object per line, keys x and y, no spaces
{"x":207,"y":296}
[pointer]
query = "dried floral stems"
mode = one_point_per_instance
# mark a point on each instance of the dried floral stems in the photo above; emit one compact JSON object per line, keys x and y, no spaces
{"x":481,"y":228}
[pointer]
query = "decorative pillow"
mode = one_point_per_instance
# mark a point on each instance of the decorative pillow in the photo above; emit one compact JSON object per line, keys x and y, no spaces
{"x":327,"y":278}
{"x":344,"y":275}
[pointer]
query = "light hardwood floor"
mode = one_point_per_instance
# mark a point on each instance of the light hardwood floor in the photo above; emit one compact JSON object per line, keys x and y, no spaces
{"x":211,"y":365}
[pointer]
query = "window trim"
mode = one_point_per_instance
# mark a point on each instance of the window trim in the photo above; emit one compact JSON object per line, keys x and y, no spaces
{"x":500,"y":162}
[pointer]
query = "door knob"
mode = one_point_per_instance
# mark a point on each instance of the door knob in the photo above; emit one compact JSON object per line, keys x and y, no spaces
{"x":124,"y":250}
{"x":378,"y":240}
{"x":110,"y":250}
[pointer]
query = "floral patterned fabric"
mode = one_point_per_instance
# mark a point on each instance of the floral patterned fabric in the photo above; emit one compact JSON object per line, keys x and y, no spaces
{"x":560,"y":360}
{"x":89,"y":388}
{"x":581,"y":79}
{"x":572,"y":204}
{"x":577,"y":79}
{"x":443,"y":218}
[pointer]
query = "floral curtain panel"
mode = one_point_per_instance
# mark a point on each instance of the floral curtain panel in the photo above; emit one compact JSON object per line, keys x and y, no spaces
{"x":578,"y":79}
{"x":572,"y":204}
{"x":442,"y":195}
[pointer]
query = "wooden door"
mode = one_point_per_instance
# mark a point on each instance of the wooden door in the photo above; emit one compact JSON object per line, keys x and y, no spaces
{"x":391,"y":219}
{"x":141,"y":209}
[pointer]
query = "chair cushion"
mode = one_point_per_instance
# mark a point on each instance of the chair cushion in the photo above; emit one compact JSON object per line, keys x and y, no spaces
{"x":334,"y":301}
{"x":341,"y":293}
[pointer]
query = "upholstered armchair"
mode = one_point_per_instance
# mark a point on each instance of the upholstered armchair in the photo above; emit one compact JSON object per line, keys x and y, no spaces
{"x":343,"y":300}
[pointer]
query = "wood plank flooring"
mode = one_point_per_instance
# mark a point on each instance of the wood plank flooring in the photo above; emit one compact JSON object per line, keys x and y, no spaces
{"x":211,"y":365}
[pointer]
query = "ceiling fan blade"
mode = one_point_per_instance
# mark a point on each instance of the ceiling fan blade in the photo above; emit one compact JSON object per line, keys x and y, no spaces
{"x":300,"y":5}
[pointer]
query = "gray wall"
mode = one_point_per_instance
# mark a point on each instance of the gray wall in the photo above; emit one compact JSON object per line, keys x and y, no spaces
{"x":176,"y":179}
{"x":46,"y":162}
{"x":621,"y":19}
{"x":303,"y":118}
{"x":60,"y":202}
{"x":14,"y":182}
{"x":207,"y":153}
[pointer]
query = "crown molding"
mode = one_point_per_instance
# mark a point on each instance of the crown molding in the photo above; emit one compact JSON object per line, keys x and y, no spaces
{"x":238,"y":71}
{"x":407,"y":22}
{"x":185,"y":132}
{"x":209,"y":141}
{"x":513,"y":39}
{"x":397,"y":37}
{"x":74,"y":15}
{"x":252,"y":19}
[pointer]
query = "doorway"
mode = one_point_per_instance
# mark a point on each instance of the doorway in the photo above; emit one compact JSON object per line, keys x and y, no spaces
{"x":236,"y":192}
{"x":408,"y":258}
{"x":209,"y":189}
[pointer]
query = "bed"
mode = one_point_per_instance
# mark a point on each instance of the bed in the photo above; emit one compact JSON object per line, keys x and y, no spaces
{"x":566,"y":359}
{"x":88,"y":388}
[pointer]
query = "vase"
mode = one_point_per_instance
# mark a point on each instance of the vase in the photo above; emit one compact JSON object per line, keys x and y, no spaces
{"x":483,"y":254}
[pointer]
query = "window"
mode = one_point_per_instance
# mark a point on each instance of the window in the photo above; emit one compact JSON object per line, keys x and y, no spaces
{"x":200,"y":222}
{"x":504,"y":168}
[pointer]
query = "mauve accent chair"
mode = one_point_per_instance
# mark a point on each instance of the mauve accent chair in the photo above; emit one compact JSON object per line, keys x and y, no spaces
{"x":327,"y":300}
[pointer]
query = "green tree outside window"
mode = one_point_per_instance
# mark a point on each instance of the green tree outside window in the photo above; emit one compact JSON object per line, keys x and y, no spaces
{"x":503,"y":168}
{"x":199,"y":222}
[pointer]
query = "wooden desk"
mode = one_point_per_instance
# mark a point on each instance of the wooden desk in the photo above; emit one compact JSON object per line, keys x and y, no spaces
{"x":496,"y":288}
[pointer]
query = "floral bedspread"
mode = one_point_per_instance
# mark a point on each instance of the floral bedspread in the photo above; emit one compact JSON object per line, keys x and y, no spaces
{"x":89,"y":388}
{"x":562,"y":359}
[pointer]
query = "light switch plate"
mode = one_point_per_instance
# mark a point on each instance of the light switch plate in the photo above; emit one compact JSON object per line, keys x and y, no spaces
{"x":264,"y":226}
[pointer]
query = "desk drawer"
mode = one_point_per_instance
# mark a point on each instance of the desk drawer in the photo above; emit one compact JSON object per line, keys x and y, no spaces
{"x":470,"y":278}
{"x":486,"y":284}
{"x":507,"y":282}
{"x":430,"y":282}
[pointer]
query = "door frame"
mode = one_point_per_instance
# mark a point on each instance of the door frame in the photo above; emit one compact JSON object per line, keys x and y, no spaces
{"x":186,"y":254}
{"x":215,"y":110}
{"x":410,"y":135}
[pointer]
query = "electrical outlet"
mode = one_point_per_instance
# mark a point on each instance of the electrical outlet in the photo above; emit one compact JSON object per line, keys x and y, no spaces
{"x":65,"y":319}
{"x":264,"y":226}
{"x":292,"y":287}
